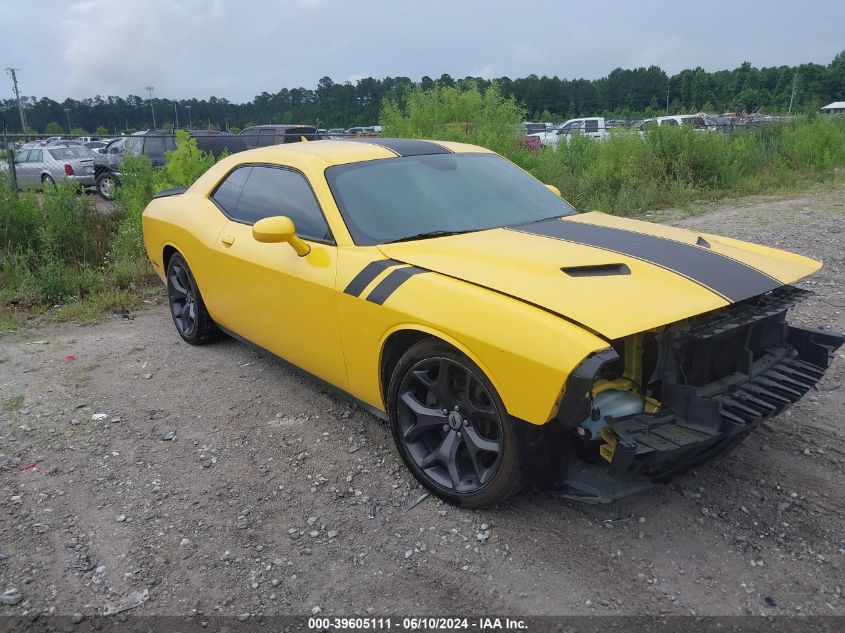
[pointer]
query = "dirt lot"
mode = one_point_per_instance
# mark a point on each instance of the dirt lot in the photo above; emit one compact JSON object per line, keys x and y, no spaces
{"x":275,"y":497}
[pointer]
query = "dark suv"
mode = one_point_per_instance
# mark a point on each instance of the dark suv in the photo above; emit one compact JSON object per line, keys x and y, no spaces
{"x":155,"y":145}
{"x":264,"y":135}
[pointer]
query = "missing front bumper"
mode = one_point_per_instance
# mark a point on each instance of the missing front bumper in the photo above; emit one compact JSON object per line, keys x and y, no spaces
{"x":705,"y":410}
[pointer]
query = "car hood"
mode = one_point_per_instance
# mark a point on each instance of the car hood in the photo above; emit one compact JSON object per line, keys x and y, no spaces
{"x":615,"y":276}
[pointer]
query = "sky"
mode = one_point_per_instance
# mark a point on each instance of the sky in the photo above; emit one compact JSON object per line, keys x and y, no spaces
{"x":236,"y":49}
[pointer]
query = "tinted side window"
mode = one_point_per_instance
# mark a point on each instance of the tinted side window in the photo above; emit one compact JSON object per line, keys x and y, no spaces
{"x":170,"y":143}
{"x":670,"y":123}
{"x":37,"y":156}
{"x":229,"y":191}
{"x":23,"y":157}
{"x":591,"y":126}
{"x":272,"y":191}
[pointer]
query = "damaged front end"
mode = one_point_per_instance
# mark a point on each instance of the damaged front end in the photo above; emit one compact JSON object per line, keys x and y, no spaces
{"x":661,"y":402}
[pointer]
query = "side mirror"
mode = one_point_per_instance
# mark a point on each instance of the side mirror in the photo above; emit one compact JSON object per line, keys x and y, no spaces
{"x":554,"y":190}
{"x":277,"y":229}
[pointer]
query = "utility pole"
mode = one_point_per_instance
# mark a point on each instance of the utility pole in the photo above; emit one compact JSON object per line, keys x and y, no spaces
{"x":792,"y":96}
{"x":11,"y":72}
{"x":188,"y":108}
{"x":176,"y":113}
{"x":149,"y":90}
{"x":67,"y":114}
{"x":667,"y":99}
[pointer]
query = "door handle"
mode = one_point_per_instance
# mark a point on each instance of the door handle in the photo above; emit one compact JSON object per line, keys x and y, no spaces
{"x":228,"y":240}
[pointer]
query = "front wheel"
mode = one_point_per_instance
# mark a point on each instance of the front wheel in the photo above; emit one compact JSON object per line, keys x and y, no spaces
{"x":451,"y":427}
{"x":187,"y":307}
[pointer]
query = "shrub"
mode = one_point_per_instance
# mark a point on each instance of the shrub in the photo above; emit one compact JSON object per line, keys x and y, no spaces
{"x":452,"y":114}
{"x":54,"y":248}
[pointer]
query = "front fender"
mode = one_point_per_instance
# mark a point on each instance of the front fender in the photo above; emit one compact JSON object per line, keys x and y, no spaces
{"x":525,"y":351}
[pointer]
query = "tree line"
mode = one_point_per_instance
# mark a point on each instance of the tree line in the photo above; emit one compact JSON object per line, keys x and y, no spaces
{"x":624,"y":93}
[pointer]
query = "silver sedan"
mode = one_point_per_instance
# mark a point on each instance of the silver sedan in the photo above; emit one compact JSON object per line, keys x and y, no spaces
{"x":47,"y":165}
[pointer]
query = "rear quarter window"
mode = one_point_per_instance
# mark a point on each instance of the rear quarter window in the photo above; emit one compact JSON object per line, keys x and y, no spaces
{"x":228,"y":192}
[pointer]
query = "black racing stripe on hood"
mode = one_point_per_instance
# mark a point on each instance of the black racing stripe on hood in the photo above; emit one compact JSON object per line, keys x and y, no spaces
{"x":727,"y":277}
{"x":367,"y":274}
{"x":405,"y":146}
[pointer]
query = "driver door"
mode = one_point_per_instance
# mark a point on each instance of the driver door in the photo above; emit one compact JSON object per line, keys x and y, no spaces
{"x":266,"y":293}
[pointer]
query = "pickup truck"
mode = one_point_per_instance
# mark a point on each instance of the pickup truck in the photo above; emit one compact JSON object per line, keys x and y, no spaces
{"x":594,"y":127}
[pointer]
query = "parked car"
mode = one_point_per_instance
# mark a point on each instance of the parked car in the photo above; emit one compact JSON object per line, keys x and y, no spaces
{"x":155,"y":145}
{"x":95,"y":145}
{"x":87,"y":139}
{"x":62,"y":142}
{"x":40,"y":167}
{"x":264,"y":135}
{"x":593,"y":127}
{"x":505,"y":336}
{"x":695,"y":121}
{"x":534,"y":128}
{"x":362,"y":131}
{"x":336,"y":133}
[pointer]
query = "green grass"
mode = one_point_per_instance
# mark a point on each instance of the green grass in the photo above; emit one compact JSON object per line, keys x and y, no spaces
{"x":93,"y":307}
{"x":9,"y":320}
{"x":15,"y":403}
{"x":674,"y":167}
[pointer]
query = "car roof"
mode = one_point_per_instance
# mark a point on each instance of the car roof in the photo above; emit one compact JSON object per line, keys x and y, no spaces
{"x":339,"y":152}
{"x":281,"y":126}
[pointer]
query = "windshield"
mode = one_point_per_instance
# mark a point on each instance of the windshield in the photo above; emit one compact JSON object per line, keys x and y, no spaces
{"x":398,"y":198}
{"x":67,"y":153}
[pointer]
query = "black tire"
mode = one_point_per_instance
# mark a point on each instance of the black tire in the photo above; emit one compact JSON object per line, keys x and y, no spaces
{"x":451,"y":427}
{"x":107,"y":184}
{"x":187,"y":308}
{"x":47,"y":181}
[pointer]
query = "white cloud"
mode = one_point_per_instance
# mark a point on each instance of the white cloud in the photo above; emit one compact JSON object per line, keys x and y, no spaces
{"x":135,"y":44}
{"x":127,"y":43}
{"x":485,"y":72}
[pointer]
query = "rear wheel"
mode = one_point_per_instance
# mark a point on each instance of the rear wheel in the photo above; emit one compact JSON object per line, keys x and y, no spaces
{"x":107,"y":185}
{"x":47,"y":181}
{"x":451,"y":427}
{"x":187,"y":308}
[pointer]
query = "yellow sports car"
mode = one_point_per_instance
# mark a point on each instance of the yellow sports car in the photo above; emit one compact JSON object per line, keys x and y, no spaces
{"x":505,"y":336}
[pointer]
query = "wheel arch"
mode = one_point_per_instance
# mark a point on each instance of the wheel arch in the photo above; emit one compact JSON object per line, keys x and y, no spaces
{"x":402,"y":337}
{"x":168,"y":252}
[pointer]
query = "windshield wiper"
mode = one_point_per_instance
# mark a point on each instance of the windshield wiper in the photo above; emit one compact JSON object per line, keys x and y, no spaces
{"x":428,"y":234}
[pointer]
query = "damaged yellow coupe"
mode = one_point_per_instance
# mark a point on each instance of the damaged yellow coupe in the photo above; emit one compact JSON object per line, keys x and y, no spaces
{"x":505,"y":336}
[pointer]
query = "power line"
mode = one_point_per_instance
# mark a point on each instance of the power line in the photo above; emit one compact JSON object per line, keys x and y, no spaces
{"x":11,"y":72}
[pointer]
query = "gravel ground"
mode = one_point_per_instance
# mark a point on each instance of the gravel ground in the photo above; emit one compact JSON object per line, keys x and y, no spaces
{"x":137,"y":472}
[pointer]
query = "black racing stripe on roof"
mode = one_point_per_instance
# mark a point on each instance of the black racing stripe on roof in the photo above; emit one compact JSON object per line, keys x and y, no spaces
{"x":405,"y":146}
{"x":723,"y":275}
{"x":367,"y":274}
{"x":391,"y":283}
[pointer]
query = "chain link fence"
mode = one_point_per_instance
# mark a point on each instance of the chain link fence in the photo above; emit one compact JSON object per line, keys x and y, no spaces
{"x":34,"y":161}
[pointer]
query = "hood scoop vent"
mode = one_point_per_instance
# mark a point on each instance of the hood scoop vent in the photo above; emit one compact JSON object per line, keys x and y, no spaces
{"x":597,"y":270}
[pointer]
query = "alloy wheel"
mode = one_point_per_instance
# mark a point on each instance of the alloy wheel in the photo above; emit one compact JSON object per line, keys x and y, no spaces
{"x":180,"y":293}
{"x":449,"y":425}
